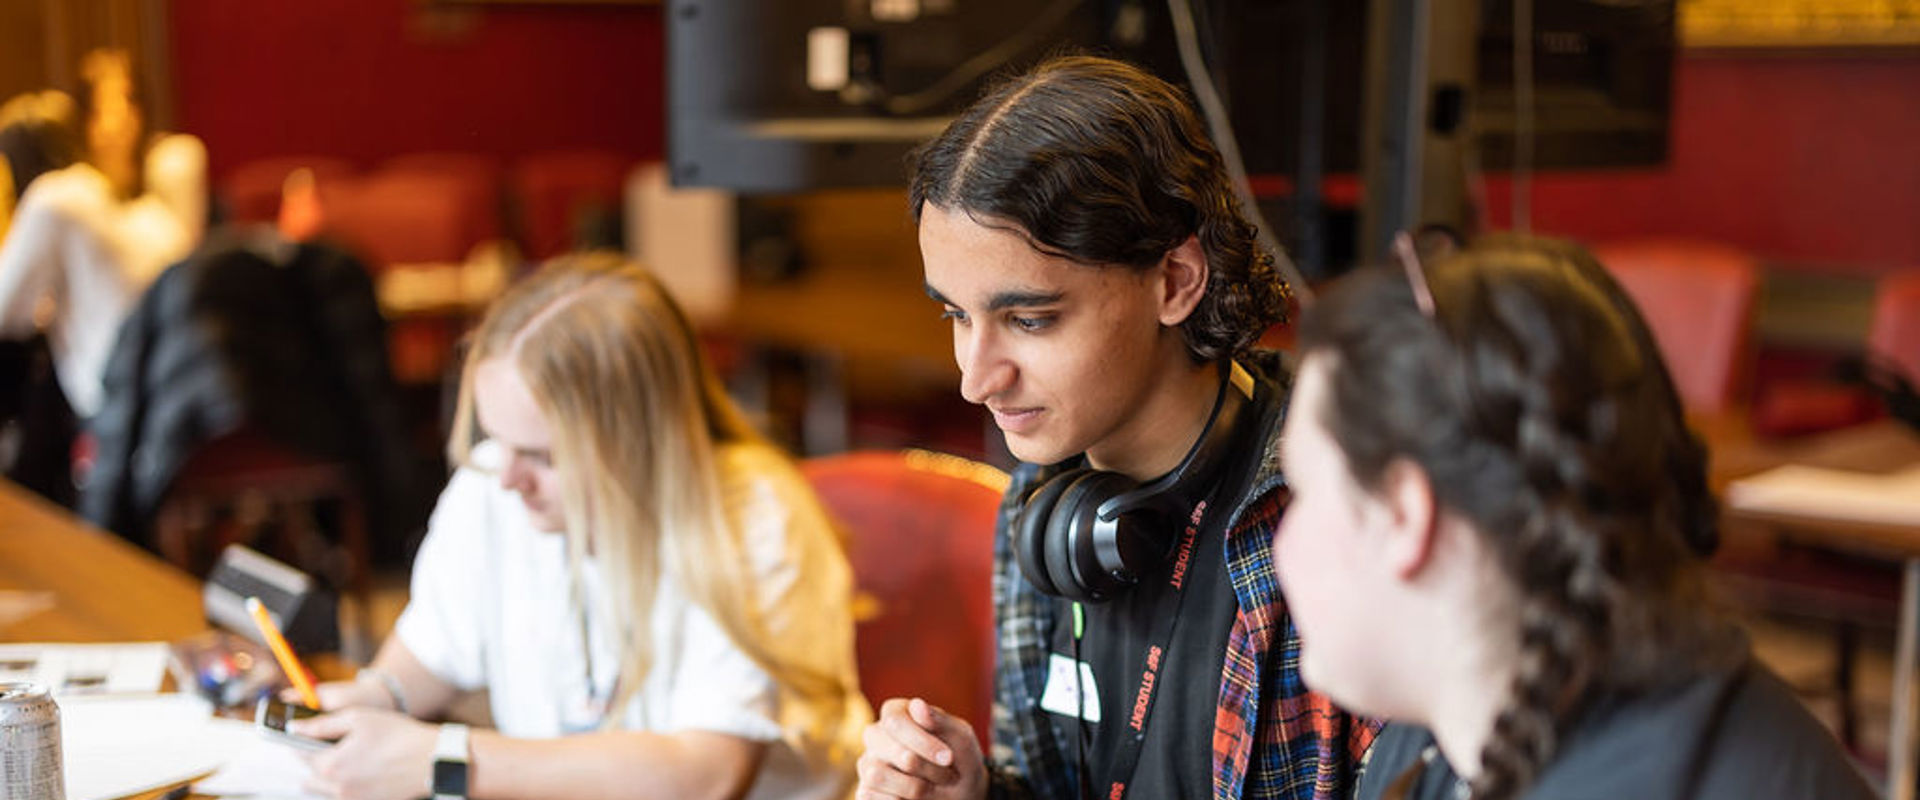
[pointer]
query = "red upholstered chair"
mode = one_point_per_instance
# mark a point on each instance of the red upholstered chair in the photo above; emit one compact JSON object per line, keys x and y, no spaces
{"x":1813,"y":404}
{"x":403,"y":217}
{"x":252,"y":190}
{"x":476,"y":181}
{"x":554,"y":189}
{"x":1895,"y":334}
{"x":1698,"y":297}
{"x":920,"y":536}
{"x":474,"y":166}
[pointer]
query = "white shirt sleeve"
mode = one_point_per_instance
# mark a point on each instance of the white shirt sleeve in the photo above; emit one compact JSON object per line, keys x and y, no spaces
{"x":55,"y":253}
{"x":445,"y":620}
{"x":29,"y":259}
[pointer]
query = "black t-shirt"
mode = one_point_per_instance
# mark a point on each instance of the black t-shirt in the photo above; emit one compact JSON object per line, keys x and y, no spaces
{"x":1733,"y":735}
{"x":1176,"y":756}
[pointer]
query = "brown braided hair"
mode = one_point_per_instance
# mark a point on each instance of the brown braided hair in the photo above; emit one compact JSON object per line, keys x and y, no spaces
{"x":1536,"y":402}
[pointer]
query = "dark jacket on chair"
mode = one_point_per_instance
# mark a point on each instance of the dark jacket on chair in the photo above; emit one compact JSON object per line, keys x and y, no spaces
{"x":283,"y":339}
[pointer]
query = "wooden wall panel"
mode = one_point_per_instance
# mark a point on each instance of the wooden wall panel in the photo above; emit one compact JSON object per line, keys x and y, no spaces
{"x":42,"y":41}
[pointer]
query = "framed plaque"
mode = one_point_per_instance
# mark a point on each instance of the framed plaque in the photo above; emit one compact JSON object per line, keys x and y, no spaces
{"x":1843,"y":24}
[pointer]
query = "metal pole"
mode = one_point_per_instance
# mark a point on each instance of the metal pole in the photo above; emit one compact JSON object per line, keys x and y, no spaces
{"x":1308,"y":204}
{"x":1391,"y":146}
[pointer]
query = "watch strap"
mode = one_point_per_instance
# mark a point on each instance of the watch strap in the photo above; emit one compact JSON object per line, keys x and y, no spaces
{"x":450,"y":757}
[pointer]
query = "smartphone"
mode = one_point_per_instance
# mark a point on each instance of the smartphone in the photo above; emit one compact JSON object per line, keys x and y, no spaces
{"x":273,"y":714}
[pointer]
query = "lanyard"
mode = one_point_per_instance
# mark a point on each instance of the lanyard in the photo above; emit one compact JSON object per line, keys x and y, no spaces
{"x":1133,"y":741}
{"x":586,"y":714}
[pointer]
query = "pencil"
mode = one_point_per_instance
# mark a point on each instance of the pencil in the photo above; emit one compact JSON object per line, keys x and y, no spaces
{"x":283,"y":652}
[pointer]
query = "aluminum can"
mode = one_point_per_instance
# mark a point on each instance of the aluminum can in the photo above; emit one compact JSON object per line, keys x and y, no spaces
{"x":29,"y":744}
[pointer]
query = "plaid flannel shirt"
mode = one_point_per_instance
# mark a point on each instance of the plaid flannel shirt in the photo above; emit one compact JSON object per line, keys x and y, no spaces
{"x":1272,"y":738}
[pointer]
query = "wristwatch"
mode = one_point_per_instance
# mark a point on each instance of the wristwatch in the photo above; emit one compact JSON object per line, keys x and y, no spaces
{"x":450,"y":763}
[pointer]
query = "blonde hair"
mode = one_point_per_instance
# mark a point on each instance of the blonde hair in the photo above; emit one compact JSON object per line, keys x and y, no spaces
{"x":639,"y":424}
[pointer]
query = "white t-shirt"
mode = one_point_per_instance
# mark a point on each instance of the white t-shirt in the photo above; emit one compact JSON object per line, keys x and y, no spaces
{"x":490,"y":608}
{"x":73,"y":244}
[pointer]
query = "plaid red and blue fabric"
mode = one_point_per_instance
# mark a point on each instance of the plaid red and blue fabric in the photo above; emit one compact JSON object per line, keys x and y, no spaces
{"x":1272,"y":738}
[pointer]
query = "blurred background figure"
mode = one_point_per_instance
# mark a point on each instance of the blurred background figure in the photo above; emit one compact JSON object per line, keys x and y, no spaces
{"x":100,"y":212}
{"x":38,"y":134}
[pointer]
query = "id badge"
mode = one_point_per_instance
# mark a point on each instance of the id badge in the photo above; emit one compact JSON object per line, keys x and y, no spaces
{"x":1062,"y":695}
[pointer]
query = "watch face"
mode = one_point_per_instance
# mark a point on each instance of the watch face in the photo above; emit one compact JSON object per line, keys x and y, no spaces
{"x":450,"y":778}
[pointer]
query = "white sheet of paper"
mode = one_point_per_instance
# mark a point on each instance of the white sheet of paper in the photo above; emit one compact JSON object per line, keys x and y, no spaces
{"x":74,"y":669}
{"x":260,"y":768}
{"x":1889,"y":499}
{"x":114,"y":746}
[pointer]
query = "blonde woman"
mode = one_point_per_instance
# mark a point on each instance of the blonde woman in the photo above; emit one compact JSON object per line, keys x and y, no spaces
{"x":649,"y":591}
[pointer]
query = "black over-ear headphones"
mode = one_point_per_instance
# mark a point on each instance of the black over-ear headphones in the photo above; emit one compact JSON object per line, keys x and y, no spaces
{"x":1086,"y":534}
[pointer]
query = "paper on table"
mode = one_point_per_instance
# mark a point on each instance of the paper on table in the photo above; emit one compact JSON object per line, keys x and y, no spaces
{"x":1889,"y":499}
{"x":70,"y":669}
{"x":117,"y":746}
{"x":260,"y":768}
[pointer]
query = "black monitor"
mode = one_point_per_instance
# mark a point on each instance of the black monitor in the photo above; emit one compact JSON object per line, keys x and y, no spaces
{"x":1602,"y":75}
{"x":742,"y":116}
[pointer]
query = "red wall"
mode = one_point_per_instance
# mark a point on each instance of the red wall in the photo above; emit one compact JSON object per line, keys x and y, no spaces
{"x":1809,"y":159}
{"x":368,"y":79}
{"x":1806,"y":159}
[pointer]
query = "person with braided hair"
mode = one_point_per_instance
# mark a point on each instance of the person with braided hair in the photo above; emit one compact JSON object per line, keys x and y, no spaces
{"x":1498,"y":526}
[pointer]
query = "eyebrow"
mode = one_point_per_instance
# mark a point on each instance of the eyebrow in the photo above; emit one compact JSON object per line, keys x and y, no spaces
{"x":1004,"y":300}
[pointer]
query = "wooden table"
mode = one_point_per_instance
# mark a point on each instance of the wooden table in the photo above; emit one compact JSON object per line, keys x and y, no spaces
{"x":103,"y":589}
{"x":1879,"y":447}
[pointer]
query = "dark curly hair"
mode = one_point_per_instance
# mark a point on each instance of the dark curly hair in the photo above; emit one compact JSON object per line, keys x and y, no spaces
{"x":1536,"y":402}
{"x":1100,"y":162}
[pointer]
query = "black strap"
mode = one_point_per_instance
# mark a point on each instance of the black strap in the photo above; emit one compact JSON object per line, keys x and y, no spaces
{"x":1147,"y":689}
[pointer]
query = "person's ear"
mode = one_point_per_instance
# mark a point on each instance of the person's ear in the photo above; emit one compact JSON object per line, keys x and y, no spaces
{"x":1412,"y":517}
{"x":1184,"y":275}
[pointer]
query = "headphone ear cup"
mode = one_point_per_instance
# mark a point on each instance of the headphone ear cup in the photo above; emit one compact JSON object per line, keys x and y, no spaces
{"x":1057,"y":542}
{"x":1140,"y":543}
{"x":1030,"y":533}
{"x":1077,"y":536}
